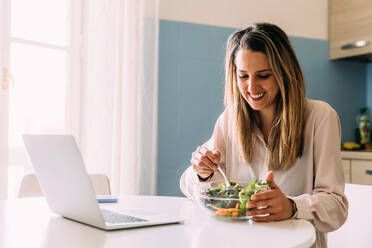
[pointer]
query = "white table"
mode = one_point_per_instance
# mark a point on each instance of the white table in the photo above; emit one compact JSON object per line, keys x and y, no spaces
{"x":29,"y":223}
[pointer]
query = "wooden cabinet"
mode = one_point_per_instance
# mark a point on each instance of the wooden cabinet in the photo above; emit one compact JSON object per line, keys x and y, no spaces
{"x":346,"y":166}
{"x":357,"y":167}
{"x":350,"y":29}
{"x":361,"y":171}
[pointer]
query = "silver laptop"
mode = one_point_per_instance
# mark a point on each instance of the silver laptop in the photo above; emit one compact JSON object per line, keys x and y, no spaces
{"x":68,"y":190}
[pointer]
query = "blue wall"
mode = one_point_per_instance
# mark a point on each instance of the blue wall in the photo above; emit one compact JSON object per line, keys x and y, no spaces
{"x":340,"y":83}
{"x":369,"y":87}
{"x":191,"y":87}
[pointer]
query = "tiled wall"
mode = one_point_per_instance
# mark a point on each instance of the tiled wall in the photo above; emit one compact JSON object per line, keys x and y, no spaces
{"x":191,"y":84}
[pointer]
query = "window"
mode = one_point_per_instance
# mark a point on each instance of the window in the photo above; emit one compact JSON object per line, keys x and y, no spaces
{"x":44,"y":50}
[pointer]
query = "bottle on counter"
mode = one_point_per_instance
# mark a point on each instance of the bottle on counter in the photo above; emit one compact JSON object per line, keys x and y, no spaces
{"x":364,"y":126}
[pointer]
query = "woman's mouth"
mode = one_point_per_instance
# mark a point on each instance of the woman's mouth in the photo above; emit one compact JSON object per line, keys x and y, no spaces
{"x":256,"y":97}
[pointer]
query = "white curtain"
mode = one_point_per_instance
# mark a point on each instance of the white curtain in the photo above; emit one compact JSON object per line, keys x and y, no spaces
{"x":4,"y":95}
{"x":118,"y":121}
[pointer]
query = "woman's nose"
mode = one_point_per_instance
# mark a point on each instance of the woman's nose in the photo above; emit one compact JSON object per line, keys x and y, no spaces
{"x":252,"y":85}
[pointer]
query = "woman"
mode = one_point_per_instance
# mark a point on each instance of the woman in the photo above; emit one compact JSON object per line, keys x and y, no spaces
{"x":269,"y":128}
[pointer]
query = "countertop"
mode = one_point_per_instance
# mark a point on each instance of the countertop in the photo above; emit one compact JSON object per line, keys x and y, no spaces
{"x":362,"y":154}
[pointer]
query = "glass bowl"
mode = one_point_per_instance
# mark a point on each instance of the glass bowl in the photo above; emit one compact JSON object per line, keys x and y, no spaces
{"x":215,"y":199}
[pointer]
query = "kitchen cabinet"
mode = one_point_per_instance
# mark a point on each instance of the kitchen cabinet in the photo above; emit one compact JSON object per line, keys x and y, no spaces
{"x":357,"y":167}
{"x":350,"y":32}
{"x":361,"y":171}
{"x":346,"y":166}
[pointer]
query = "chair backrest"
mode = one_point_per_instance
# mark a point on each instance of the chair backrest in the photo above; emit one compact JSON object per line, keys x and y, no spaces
{"x":359,"y":216}
{"x":101,"y":184}
{"x":30,"y":186}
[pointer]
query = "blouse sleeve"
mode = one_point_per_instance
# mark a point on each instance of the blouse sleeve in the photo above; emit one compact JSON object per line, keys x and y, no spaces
{"x":327,"y":206}
{"x":217,"y":141}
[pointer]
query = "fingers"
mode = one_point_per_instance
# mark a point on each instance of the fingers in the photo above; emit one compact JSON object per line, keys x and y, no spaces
{"x":272,"y":203}
{"x":204,"y":154}
{"x":259,"y":211}
{"x":260,"y":199}
{"x":214,"y":156}
{"x":271,"y":217}
{"x":204,"y":161}
{"x":217,"y":156}
{"x":200,"y":168}
{"x":264,"y":195}
{"x":272,"y":206}
{"x":270,"y":213}
{"x":255,"y":204}
{"x":270,"y":178}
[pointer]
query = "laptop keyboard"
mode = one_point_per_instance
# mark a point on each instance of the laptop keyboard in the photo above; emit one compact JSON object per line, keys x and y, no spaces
{"x":113,"y":217}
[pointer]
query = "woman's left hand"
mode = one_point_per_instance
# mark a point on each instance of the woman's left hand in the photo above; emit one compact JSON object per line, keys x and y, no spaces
{"x":278,"y":206}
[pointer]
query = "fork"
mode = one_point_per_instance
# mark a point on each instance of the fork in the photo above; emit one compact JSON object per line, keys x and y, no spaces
{"x":224,"y":175}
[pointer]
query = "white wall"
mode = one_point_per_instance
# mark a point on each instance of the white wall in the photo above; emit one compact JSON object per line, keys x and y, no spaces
{"x":301,"y":18}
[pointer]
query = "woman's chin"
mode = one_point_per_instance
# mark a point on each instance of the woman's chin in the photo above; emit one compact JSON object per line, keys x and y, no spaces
{"x":256,"y":106}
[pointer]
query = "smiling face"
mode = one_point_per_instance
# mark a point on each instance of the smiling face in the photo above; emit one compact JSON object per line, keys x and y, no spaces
{"x":256,"y":80}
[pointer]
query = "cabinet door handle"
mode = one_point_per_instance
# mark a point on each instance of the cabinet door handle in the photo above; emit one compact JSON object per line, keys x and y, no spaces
{"x":369,"y":172}
{"x":357,"y":44}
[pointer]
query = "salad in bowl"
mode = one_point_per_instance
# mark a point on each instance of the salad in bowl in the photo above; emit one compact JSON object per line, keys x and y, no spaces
{"x":225,"y":202}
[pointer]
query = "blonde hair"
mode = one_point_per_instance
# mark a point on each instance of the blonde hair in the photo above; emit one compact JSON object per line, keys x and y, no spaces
{"x":285,"y":141}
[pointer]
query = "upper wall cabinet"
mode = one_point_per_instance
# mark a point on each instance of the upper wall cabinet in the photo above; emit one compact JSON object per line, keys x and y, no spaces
{"x":350,"y":29}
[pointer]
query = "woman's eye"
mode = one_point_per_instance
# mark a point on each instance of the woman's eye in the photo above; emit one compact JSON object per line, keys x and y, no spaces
{"x":243,"y":76}
{"x":264,"y":76}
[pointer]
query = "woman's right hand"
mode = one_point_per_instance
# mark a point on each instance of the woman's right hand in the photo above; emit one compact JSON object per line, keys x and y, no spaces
{"x":204,"y":161}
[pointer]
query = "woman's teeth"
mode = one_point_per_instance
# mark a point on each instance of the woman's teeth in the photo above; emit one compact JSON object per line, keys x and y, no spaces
{"x":256,"y":96}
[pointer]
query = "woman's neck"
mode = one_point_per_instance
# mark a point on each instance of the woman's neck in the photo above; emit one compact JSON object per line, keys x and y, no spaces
{"x":266,"y":117}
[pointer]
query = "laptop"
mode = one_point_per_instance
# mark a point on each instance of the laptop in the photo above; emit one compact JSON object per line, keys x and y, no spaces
{"x":69,"y":192}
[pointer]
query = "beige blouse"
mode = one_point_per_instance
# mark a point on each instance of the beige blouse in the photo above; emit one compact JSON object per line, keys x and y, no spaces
{"x":315,"y":183}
